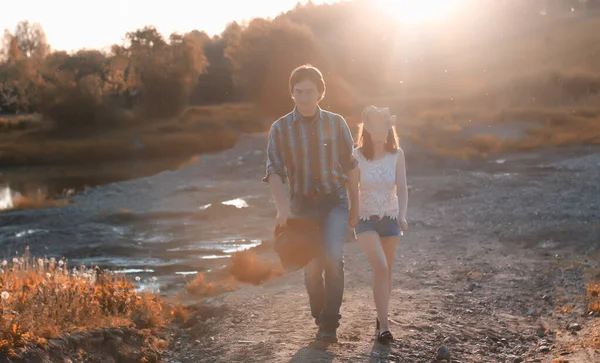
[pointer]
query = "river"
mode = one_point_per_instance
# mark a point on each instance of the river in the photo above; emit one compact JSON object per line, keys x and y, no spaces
{"x":173,"y":223}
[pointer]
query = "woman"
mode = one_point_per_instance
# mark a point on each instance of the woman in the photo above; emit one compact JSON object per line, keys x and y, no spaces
{"x":383,"y":198}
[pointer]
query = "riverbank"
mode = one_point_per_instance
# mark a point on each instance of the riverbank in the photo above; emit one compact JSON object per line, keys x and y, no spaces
{"x":498,"y":264}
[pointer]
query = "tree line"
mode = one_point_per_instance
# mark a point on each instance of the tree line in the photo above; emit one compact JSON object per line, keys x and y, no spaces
{"x":357,"y":45}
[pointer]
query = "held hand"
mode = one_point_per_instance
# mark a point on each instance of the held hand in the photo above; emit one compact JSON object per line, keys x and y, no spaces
{"x":403,"y":224}
{"x":282,"y":216}
{"x":353,"y":217}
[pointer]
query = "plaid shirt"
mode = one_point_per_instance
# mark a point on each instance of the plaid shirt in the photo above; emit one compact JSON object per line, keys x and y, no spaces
{"x":314,"y":155}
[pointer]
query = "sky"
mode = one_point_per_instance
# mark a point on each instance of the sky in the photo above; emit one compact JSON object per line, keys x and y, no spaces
{"x":75,"y":24}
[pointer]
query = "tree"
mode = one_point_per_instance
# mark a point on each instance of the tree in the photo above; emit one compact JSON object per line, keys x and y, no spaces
{"x":264,"y":56}
{"x":77,"y":91}
{"x":31,"y":40}
{"x":215,"y":85}
{"x":268,"y":51}
{"x":163,"y":72}
{"x":23,"y":53}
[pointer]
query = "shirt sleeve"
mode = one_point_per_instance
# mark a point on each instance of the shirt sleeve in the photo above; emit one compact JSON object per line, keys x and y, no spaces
{"x":275,"y":164}
{"x":346,"y":147}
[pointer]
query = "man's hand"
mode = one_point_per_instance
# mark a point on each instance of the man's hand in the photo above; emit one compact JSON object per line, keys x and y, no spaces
{"x":353,"y":217}
{"x":403,"y":224}
{"x":282,"y":216}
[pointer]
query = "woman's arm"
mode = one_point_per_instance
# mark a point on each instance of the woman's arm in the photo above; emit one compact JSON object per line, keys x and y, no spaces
{"x":401,"y":185}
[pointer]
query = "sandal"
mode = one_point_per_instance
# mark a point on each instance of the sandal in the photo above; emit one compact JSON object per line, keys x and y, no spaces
{"x":385,"y":338}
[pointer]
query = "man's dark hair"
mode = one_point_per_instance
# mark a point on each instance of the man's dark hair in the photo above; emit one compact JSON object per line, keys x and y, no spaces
{"x":310,"y":73}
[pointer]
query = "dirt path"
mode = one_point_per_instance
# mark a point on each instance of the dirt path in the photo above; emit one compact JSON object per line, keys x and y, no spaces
{"x":493,"y":268}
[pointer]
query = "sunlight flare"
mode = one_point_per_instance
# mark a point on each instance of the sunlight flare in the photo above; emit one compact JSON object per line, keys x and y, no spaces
{"x":413,"y":12}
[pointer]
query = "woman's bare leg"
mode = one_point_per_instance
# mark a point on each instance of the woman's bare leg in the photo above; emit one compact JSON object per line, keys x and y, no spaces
{"x":371,"y":245}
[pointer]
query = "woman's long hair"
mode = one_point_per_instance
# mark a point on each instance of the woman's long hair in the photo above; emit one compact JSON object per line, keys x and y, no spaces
{"x":365,"y":142}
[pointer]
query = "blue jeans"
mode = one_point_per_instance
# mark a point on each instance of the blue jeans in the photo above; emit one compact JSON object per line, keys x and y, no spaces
{"x":325,"y":296}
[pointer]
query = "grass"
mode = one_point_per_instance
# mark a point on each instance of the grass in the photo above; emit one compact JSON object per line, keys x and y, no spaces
{"x":593,"y":308}
{"x":199,"y":129}
{"x":44,"y":298}
{"x":442,"y":130}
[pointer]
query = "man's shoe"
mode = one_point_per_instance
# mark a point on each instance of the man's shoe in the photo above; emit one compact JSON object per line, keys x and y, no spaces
{"x":327,"y":335}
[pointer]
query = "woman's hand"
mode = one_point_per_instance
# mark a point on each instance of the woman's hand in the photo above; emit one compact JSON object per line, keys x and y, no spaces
{"x":403,"y":224}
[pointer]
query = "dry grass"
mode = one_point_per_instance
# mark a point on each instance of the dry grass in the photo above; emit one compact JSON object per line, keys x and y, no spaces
{"x":36,"y":200}
{"x":442,"y":131}
{"x":200,"y":287}
{"x":45,"y":298}
{"x":200,"y":129}
{"x":593,"y":308}
{"x":593,"y":296}
{"x":243,"y":117}
{"x":82,"y":152}
{"x":11,"y":123}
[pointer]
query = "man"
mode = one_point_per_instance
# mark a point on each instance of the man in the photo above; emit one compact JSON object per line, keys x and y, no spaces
{"x":311,"y":149}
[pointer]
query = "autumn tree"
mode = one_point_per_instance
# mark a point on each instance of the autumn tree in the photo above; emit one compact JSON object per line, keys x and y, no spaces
{"x":22,"y":54}
{"x":27,"y":41}
{"x":216,"y":84}
{"x":79,"y":92}
{"x":163,"y":72}
{"x":264,"y":57}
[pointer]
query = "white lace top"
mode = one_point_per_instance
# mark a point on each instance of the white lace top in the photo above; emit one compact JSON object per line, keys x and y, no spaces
{"x":377,"y":188}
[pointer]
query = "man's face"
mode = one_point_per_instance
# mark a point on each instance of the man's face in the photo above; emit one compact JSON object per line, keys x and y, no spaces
{"x":307,"y":96}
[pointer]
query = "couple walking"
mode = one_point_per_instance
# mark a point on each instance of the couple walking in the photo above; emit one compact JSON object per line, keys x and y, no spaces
{"x":364,"y":188}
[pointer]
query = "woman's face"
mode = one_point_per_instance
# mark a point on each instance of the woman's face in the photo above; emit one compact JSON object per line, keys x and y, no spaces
{"x":378,"y":124}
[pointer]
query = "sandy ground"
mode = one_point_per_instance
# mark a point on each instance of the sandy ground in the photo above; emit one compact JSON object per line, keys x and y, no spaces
{"x":493,"y":268}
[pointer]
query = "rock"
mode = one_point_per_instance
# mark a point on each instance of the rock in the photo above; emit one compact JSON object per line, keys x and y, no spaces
{"x":187,"y":189}
{"x":117,"y":332}
{"x":574,"y":327}
{"x":514,"y":359}
{"x":191,"y":321}
{"x":75,"y":340}
{"x":450,"y":340}
{"x":443,"y":353}
{"x":544,"y":349}
{"x":116,"y":342}
{"x":473,"y":286}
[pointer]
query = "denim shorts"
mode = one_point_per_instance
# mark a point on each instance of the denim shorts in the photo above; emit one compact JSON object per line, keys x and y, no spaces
{"x":385,"y":227}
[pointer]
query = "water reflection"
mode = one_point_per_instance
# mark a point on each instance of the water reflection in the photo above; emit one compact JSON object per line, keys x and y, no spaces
{"x":133,"y":271}
{"x":242,"y":247}
{"x":6,"y":201}
{"x":29,"y":232}
{"x":237,"y":202}
{"x":214,"y":257}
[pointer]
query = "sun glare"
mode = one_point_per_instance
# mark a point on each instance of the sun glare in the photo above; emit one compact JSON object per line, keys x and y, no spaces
{"x":413,"y":12}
